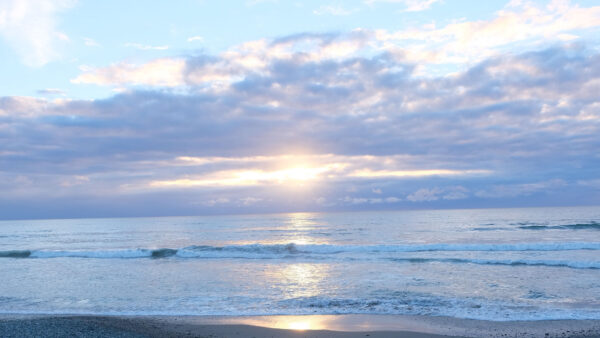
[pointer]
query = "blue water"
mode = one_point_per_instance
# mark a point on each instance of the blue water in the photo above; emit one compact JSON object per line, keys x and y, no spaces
{"x":497,"y":264}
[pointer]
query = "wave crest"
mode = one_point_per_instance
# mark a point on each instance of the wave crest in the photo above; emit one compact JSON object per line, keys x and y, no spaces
{"x":516,"y":262}
{"x":310,"y":251}
{"x":577,"y":226}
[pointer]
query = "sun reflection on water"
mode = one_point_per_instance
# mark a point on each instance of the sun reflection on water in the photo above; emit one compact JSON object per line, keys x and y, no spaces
{"x":300,"y":326}
{"x":298,"y":280}
{"x":301,"y":228}
{"x":325,"y":322}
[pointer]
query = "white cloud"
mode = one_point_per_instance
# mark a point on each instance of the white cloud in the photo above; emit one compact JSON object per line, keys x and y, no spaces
{"x":160,"y":72}
{"x":369,"y":173}
{"x":295,"y":169}
{"x":514,"y":190}
{"x":145,"y":47}
{"x":250,"y":200}
{"x":30,"y":27}
{"x":90,"y":42}
{"x":362,"y":200}
{"x":425,"y":195}
{"x":462,"y":42}
{"x":215,"y":201}
{"x":256,"y":2}
{"x":52,"y":91}
{"x":333,"y":10}
{"x":436,"y":193}
{"x":438,"y":51}
{"x":493,"y":116}
{"x":25,"y":107}
{"x":236,"y":62}
{"x":455,"y":193}
{"x":195,"y":38}
{"x":410,"y":5}
{"x":74,"y":181}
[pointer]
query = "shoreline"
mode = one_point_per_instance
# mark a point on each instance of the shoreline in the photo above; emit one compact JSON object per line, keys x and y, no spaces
{"x":316,"y":326}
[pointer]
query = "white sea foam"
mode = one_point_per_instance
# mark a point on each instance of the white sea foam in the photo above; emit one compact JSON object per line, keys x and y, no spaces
{"x":326,"y":249}
{"x":403,"y":303}
{"x":331,"y":252}
{"x":512,"y":262}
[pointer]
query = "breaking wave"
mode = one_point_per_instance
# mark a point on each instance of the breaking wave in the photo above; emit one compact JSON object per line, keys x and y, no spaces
{"x":577,"y":226}
{"x":593,"y":225}
{"x":312,"y":251}
{"x":516,"y":262}
{"x":15,"y":253}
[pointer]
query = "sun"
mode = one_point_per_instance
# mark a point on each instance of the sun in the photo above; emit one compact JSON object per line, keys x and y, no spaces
{"x":301,"y":173}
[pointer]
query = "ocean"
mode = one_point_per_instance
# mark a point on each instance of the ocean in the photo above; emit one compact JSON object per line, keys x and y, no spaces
{"x":492,"y":264}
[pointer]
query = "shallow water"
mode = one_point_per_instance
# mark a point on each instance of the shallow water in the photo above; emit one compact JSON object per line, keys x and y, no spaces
{"x":498,"y":264}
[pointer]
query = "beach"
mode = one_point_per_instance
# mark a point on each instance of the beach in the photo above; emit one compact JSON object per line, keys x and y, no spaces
{"x":266,"y":168}
{"x":342,"y":326}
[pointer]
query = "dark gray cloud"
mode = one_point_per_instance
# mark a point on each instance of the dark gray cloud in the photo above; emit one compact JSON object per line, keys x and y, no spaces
{"x":532,"y":120}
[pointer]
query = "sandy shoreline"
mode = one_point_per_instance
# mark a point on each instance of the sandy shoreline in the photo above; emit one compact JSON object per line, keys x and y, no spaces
{"x":342,"y":326}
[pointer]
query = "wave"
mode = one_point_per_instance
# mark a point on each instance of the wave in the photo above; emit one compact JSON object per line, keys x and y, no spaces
{"x":576,"y":226}
{"x":15,"y":253}
{"x":593,"y":225}
{"x":295,"y":250}
{"x":516,"y":262}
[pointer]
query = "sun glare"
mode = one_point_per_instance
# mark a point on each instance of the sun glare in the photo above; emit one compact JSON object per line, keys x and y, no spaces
{"x":297,"y":174}
{"x":300,"y":326}
{"x":300,"y":171}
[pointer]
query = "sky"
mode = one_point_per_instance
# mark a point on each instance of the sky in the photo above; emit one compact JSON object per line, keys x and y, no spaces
{"x":127,"y":108}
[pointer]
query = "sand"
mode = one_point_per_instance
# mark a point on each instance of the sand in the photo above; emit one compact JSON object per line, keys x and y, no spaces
{"x":343,"y":326}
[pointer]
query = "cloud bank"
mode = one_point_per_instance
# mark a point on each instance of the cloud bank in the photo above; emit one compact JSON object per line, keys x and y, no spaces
{"x":329,"y":121}
{"x":319,"y":134}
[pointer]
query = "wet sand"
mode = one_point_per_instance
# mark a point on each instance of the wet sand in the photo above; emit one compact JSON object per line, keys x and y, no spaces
{"x":342,"y":326}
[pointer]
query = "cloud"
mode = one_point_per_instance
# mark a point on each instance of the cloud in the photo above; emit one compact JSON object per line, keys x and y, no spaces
{"x":305,"y":126}
{"x":425,"y":195}
{"x":333,"y":10}
{"x":410,"y":5}
{"x":145,"y":47}
{"x":160,"y":72}
{"x":358,"y":119}
{"x":219,"y":72}
{"x":257,"y":2}
{"x":195,"y":38}
{"x":30,"y":27}
{"x":429,"y":51}
{"x":594,"y":183}
{"x":213,"y":202}
{"x":519,"y":24}
{"x":295,"y":169}
{"x":362,"y":200}
{"x":437,"y":193}
{"x":250,"y":200}
{"x":455,"y":193}
{"x":74,"y":180}
{"x":514,"y":190}
{"x":418,"y":173}
{"x":90,"y":42}
{"x":52,"y":91}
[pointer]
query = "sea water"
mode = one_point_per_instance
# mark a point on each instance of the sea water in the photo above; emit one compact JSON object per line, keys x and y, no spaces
{"x":495,"y":264}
